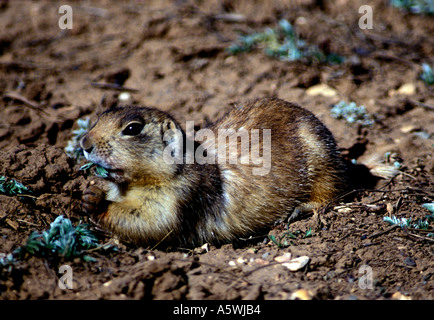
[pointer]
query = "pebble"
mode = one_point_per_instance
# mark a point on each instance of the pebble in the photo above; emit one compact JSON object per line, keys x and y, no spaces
{"x":399,"y":296}
{"x":344,"y":210}
{"x":297,"y":263}
{"x":408,"y":128}
{"x":262,"y":262}
{"x":407,"y":89}
{"x":423,"y":135}
{"x":285,"y":258}
{"x":301,"y":294}
{"x":124,"y":96}
{"x":108,"y":283}
{"x":321,"y":89}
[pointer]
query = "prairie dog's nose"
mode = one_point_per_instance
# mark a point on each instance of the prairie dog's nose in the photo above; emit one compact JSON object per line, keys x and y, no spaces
{"x":86,"y":143}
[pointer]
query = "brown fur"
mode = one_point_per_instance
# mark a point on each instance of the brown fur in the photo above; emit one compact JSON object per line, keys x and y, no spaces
{"x":148,"y":200}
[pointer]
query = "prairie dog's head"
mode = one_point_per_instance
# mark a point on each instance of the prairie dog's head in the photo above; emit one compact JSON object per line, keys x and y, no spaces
{"x":134,"y":144}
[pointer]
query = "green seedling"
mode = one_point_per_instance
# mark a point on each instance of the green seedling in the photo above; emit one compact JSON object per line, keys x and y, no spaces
{"x":427,"y":74}
{"x":12,"y":187}
{"x":421,"y":224}
{"x":414,"y":6}
{"x":429,"y":206}
{"x":285,"y":240}
{"x":406,"y":223}
{"x":403,"y":222}
{"x":308,"y":233}
{"x":7,"y":262}
{"x":61,"y":240}
{"x":274,"y":240}
{"x":99,"y":171}
{"x":352,"y":113}
{"x":73,"y":148}
{"x":282,"y":43}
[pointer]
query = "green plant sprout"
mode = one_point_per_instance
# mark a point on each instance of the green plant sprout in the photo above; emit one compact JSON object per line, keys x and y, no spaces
{"x":73,"y":148}
{"x":352,"y":113}
{"x":427,"y":74}
{"x":285,"y":240}
{"x":7,"y":262}
{"x":308,"y":233}
{"x":406,"y":223}
{"x":414,"y":6}
{"x":99,"y":171}
{"x":282,"y":43}
{"x":402,"y":222}
{"x":62,"y":239}
{"x":429,"y":217}
{"x":12,"y":187}
{"x":429,"y":206}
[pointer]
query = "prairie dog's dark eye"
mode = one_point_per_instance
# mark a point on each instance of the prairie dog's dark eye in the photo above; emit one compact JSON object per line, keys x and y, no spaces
{"x":133,"y":129}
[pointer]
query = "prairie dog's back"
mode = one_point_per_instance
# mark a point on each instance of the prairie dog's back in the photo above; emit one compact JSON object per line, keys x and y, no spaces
{"x":305,"y":169}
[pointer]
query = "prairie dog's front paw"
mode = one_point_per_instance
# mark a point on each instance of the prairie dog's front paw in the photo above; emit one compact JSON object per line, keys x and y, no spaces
{"x":93,"y":200}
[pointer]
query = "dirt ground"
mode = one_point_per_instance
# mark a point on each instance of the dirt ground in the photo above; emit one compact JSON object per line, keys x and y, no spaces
{"x":172,"y":55}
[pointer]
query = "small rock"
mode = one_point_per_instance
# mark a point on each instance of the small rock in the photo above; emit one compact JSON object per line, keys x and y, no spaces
{"x":408,"y":128}
{"x":343,"y":209}
{"x":124,"y":96}
{"x":108,"y":283}
{"x":423,"y":135}
{"x":301,"y":21}
{"x":407,"y":89}
{"x":410,"y":262}
{"x":399,"y":296}
{"x":285,"y":258}
{"x":262,"y":262}
{"x":321,"y":89}
{"x":297,"y":263}
{"x":301,"y":294}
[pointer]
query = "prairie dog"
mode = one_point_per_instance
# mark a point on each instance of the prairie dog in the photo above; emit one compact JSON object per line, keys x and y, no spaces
{"x":148,"y":199}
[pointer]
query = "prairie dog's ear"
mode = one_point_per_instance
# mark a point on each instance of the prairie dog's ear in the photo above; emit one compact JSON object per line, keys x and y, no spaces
{"x":168,"y":124}
{"x":173,"y":140}
{"x":170,"y":131}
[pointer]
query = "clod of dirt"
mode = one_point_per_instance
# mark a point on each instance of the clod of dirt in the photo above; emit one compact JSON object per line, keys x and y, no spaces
{"x":159,"y":279}
{"x":42,"y":169}
{"x":52,"y":178}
